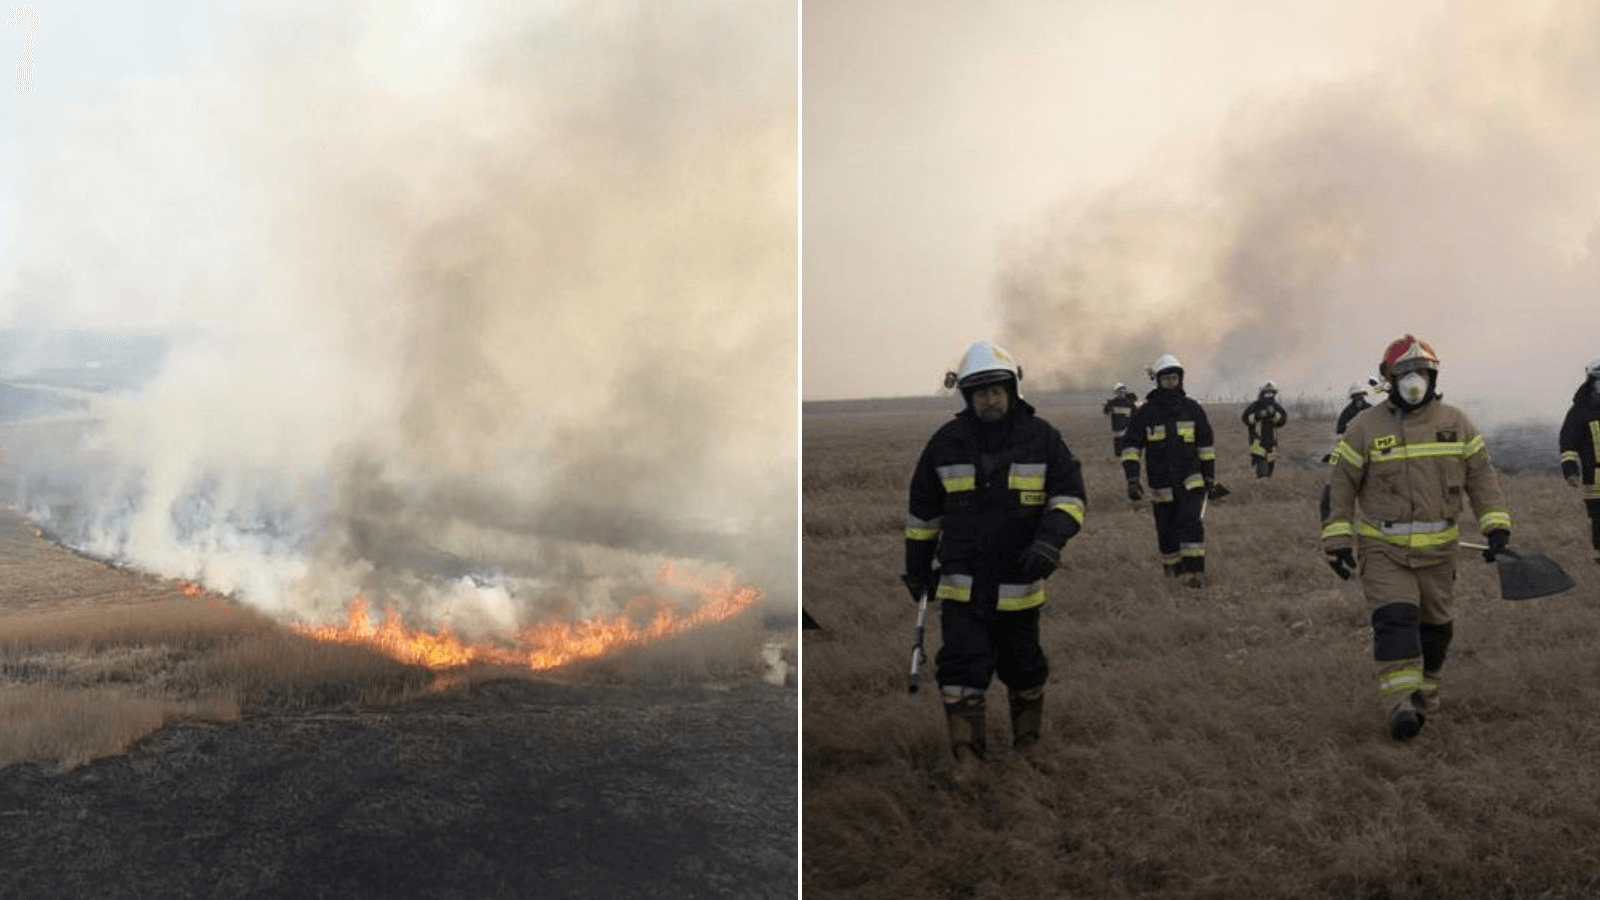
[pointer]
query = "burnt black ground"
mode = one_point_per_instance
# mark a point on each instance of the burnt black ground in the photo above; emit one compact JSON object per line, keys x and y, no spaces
{"x":514,"y":789}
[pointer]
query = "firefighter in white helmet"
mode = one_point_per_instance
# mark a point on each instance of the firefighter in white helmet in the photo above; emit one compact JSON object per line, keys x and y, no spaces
{"x":1580,"y":447}
{"x":994,"y":496}
{"x":1120,"y":408}
{"x":1172,"y":435}
{"x":1262,"y":419}
{"x":1399,"y":480}
{"x":1357,"y":392}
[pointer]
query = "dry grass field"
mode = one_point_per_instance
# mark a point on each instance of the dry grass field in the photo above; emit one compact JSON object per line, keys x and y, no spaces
{"x":1215,"y":743}
{"x":157,"y":744}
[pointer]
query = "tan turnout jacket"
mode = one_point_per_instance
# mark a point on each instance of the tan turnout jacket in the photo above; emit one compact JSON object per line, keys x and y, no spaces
{"x":1397,"y":483}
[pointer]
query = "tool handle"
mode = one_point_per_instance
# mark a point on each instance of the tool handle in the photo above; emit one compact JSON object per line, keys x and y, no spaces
{"x":917,"y":656}
{"x":1471,"y":546}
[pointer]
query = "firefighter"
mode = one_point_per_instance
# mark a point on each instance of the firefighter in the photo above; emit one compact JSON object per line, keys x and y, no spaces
{"x":1120,"y":408}
{"x":1397,"y":483}
{"x":1262,"y":419}
{"x":1358,"y":402}
{"x":1171,"y":432}
{"x":995,"y":495}
{"x":1580,"y":448}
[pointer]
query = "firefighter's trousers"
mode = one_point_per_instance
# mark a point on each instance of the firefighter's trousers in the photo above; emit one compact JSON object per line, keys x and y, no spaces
{"x":1263,"y":456}
{"x":1593,"y":508}
{"x":1180,"y":534}
{"x":1411,"y":625}
{"x":978,"y":644}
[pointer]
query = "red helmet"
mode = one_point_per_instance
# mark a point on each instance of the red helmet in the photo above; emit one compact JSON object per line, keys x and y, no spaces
{"x":1407,"y":355}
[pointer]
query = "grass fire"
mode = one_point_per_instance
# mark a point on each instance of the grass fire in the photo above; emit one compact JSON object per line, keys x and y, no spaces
{"x":546,"y":645}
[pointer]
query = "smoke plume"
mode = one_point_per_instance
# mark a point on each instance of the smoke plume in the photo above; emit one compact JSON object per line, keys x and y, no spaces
{"x":470,"y":314}
{"x":1453,"y":192}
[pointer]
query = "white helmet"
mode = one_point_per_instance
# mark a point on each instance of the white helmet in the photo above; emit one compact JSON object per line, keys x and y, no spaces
{"x":985,"y":362}
{"x":1269,"y":388}
{"x":1119,"y":387}
{"x":1356,"y":389}
{"x":1165,"y":362}
{"x":1593,"y":368}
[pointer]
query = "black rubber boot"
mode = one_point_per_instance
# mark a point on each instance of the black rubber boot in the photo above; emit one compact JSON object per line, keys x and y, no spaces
{"x":965,"y":717}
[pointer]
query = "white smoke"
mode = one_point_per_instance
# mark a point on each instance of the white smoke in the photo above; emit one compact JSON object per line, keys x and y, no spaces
{"x":1453,"y":192}
{"x":531,"y":270}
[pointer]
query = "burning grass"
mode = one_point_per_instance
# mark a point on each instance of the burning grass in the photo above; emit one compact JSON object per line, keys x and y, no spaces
{"x":94,"y":658}
{"x":1225,"y":742}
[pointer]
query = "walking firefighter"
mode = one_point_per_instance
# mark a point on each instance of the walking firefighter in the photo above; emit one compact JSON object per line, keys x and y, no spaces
{"x":1171,"y":434}
{"x":1120,"y":408}
{"x":1262,"y":419}
{"x":994,"y":497}
{"x":1397,"y":484}
{"x":1358,"y":401}
{"x":1580,"y":448}
{"x":1358,"y":393}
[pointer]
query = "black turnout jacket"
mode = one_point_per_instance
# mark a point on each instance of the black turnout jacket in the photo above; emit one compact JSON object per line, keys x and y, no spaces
{"x":981,"y":494}
{"x":1172,"y":433}
{"x":1580,"y":439}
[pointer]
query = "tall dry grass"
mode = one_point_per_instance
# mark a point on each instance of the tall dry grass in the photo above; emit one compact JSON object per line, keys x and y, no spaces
{"x":1219,"y":743}
{"x":79,"y":684}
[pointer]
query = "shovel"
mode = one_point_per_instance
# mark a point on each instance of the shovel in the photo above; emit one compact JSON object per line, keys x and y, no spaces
{"x":1527,"y":575}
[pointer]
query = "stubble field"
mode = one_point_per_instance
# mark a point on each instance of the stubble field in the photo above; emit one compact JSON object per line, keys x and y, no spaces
{"x":1225,"y":742}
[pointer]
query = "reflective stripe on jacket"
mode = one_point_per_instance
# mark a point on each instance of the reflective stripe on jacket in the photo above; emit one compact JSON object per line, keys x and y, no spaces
{"x":1409,"y":475}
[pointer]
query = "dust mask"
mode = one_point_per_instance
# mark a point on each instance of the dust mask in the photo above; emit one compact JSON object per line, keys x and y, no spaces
{"x":1413,"y":387}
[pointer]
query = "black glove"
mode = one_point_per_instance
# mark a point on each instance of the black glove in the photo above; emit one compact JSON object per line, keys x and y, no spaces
{"x":1134,"y":491}
{"x":1342,"y":561}
{"x":1499,"y":540}
{"x":1574,"y":481}
{"x":919,"y":584}
{"x":1038,"y":561}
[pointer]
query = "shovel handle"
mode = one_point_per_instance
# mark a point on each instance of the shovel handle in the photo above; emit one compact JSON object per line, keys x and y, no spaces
{"x":1471,"y":546}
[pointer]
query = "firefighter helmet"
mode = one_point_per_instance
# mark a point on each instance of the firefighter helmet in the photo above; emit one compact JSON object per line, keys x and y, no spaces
{"x":985,"y":362}
{"x":1407,"y":355}
{"x":1593,"y":368}
{"x":1269,"y":388}
{"x":1356,"y":389}
{"x":1119,"y":387}
{"x":1166,"y":363}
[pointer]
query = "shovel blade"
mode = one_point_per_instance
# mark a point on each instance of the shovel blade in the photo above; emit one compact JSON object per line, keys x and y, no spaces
{"x":1530,"y":575}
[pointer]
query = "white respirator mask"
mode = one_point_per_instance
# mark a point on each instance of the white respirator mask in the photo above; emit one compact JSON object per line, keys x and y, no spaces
{"x":1413,"y":387}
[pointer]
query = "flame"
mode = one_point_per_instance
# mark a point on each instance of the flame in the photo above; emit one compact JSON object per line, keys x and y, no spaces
{"x":546,"y":645}
{"x":190,"y":589}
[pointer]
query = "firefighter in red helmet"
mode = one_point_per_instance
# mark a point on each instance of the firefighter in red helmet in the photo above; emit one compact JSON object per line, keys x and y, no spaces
{"x":1400,"y":476}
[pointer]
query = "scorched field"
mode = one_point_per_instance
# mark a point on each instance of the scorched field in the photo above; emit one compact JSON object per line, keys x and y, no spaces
{"x":1224,"y":742}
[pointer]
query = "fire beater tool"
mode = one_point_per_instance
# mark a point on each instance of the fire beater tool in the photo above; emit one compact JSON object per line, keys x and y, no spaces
{"x":1526,"y":575}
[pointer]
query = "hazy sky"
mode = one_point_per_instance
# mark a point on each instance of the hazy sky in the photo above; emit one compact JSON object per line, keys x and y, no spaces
{"x":1268,"y":190}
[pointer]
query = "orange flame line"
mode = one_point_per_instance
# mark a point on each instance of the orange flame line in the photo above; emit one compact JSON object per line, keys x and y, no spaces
{"x":546,"y":645}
